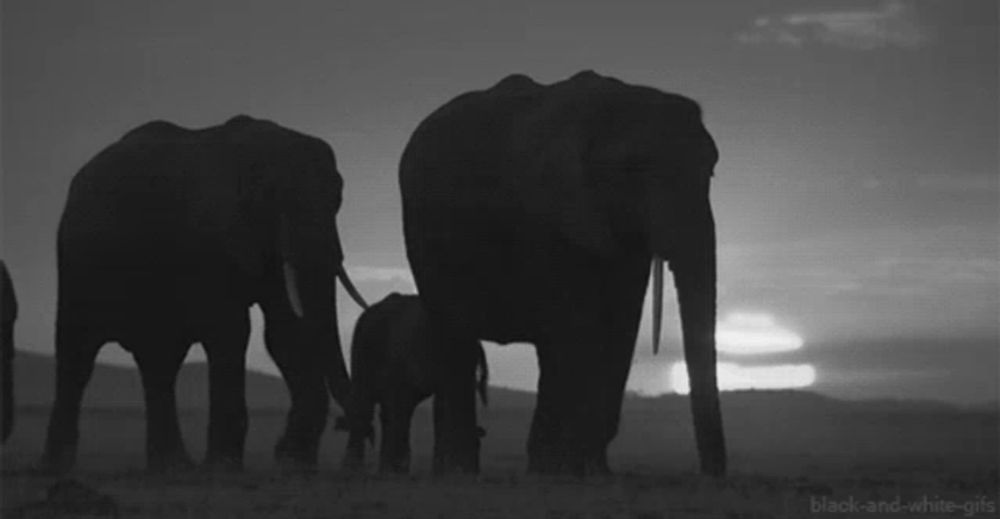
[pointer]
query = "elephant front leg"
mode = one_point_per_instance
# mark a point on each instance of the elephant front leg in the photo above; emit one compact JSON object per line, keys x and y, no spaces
{"x":75,"y":354}
{"x":568,"y":431}
{"x":396,"y":414}
{"x":227,"y":424}
{"x":358,"y":423}
{"x":159,"y":363}
{"x":299,"y":364}
{"x":546,"y":453}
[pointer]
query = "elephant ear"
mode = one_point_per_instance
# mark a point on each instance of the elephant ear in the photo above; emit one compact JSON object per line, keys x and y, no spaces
{"x":564,"y":197}
{"x":222,"y":203}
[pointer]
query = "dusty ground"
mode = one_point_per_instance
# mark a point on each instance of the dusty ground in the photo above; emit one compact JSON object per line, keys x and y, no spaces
{"x":791,"y":456}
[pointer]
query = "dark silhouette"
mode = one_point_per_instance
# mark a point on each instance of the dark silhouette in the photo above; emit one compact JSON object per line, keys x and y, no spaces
{"x":394,"y":366}
{"x":8,"y":314}
{"x":532,"y":213}
{"x":168,"y":236}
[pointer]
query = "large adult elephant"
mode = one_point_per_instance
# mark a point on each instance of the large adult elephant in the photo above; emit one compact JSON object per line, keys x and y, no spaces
{"x":168,"y":236}
{"x":8,"y":314}
{"x":532,"y":213}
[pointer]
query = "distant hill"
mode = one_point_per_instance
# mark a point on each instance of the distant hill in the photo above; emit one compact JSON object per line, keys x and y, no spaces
{"x":120,"y":387}
{"x":117,"y":386}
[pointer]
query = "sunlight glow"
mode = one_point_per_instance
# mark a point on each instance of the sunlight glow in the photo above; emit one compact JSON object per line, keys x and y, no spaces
{"x":754,"y":333}
{"x":733,"y":377}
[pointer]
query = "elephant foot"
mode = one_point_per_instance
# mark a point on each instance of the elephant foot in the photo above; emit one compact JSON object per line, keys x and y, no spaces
{"x":301,"y":460}
{"x":173,"y":462}
{"x":290,"y":465}
{"x":454,"y":465}
{"x":48,"y":466}
{"x":353,"y":462}
{"x":556,"y":463}
{"x":223,"y":464}
{"x":546,"y":461}
{"x":56,"y":460}
{"x":398,"y":467}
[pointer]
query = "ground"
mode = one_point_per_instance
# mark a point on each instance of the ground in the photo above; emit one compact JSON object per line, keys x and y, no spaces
{"x":791,"y":455}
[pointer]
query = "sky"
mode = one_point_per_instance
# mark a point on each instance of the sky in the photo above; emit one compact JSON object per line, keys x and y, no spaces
{"x":856,"y":195}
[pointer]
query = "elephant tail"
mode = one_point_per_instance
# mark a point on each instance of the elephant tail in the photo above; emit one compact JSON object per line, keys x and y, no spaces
{"x":482,"y":376}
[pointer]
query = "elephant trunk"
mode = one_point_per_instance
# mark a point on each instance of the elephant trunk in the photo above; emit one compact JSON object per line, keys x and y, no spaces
{"x":338,"y":381}
{"x":695,"y":280}
{"x":316,"y":305}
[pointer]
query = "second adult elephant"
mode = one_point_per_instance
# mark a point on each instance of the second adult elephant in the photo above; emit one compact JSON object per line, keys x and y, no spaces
{"x":8,"y":314}
{"x":532,"y":213}
{"x":395,"y":365}
{"x":167,"y":237}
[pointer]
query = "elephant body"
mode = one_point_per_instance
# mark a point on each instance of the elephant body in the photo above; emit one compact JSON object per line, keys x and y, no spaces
{"x":167,"y":237}
{"x":395,"y":366}
{"x":532,"y":213}
{"x":8,"y":314}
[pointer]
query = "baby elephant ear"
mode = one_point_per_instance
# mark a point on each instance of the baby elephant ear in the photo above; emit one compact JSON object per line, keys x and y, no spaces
{"x":565,"y":198}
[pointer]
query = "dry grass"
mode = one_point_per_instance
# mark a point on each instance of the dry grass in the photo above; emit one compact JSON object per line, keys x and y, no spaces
{"x":780,"y":469}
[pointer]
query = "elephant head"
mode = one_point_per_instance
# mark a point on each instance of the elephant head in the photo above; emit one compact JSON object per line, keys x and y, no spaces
{"x":651,"y":163}
{"x":287,"y":185}
{"x":310,"y":250}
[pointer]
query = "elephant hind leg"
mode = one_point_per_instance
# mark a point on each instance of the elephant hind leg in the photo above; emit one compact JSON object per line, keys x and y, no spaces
{"x":225,"y":347}
{"x":76,"y":350}
{"x":7,"y":374}
{"x":568,"y":430}
{"x":359,"y":424}
{"x":159,"y":361}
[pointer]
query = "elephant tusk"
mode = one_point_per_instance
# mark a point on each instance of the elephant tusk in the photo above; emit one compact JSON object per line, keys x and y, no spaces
{"x":350,"y":288}
{"x":657,"y":302}
{"x":292,"y":288}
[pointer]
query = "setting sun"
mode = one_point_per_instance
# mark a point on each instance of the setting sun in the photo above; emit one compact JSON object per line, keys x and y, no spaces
{"x":733,"y":377}
{"x":745,"y":333}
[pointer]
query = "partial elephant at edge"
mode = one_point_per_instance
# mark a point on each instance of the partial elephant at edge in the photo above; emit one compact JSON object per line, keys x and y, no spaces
{"x":8,"y":314}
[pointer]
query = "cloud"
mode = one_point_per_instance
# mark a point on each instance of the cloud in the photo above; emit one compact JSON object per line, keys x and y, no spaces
{"x":753,"y":333}
{"x":397,"y":275}
{"x":890,"y":24}
{"x":959,"y":184}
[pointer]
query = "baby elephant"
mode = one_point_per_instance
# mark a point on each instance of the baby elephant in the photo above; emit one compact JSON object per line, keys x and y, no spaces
{"x":396,"y":356}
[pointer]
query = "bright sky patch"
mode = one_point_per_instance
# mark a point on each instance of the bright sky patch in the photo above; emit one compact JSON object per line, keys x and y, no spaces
{"x":754,"y":333}
{"x":732,"y":376}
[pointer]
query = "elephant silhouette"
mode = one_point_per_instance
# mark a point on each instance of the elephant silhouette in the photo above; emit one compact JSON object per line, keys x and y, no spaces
{"x":394,"y":366}
{"x":532,"y":213}
{"x":8,"y":314}
{"x":168,"y":236}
